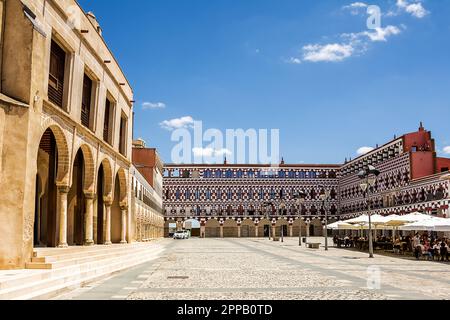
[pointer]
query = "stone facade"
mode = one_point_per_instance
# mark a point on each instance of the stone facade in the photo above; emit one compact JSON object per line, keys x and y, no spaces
{"x":147,"y":208}
{"x":65,"y":132}
{"x":231,"y":200}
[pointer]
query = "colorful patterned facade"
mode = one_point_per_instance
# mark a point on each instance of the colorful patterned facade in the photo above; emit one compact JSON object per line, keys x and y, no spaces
{"x":225,"y":198}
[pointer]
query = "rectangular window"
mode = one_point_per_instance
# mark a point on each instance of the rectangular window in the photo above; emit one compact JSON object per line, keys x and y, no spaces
{"x":86,"y":101}
{"x":107,"y":122}
{"x":123,"y":133}
{"x":56,"y":74}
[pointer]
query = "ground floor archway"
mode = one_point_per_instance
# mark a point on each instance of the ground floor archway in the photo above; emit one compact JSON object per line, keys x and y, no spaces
{"x":248,"y":228}
{"x":212,"y":229}
{"x":230,"y":229}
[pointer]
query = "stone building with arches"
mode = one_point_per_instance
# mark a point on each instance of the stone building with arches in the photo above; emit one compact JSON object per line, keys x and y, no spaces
{"x":66,"y":113}
{"x":231,"y":200}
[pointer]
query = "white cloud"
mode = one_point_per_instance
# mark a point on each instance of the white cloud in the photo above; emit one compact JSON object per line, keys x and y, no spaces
{"x":329,"y":53}
{"x":294,"y":60}
{"x":446,"y":150}
{"x":153,"y":105}
{"x":364,"y":150}
{"x":210,"y":152}
{"x":183,"y":122}
{"x":416,"y":9}
{"x":355,"y":7}
{"x":381,"y":34}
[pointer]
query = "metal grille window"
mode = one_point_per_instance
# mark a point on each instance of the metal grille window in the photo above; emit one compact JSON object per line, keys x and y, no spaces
{"x":56,"y":74}
{"x":86,"y":101}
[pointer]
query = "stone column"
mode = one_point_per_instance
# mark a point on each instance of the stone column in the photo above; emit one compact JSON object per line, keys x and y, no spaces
{"x":291,"y":230}
{"x":123,"y":233}
{"x":108,"y":205}
{"x":239,"y":231}
{"x":89,"y":220}
{"x":221,"y":231}
{"x":274,"y":231}
{"x":202,"y":231}
{"x":63,"y":191}
{"x":256,"y":230}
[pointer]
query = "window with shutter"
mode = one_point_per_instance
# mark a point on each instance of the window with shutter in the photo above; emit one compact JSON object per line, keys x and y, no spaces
{"x":56,"y":74}
{"x":107,"y":122}
{"x":122,"y":141}
{"x":86,"y":101}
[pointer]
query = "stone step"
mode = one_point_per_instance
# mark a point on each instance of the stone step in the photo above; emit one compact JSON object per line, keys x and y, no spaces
{"x":43,"y":259}
{"x":53,"y":291}
{"x":38,"y":266}
{"x":50,"y":252}
{"x":25,"y":278}
{"x":61,"y":260}
{"x":52,"y":282}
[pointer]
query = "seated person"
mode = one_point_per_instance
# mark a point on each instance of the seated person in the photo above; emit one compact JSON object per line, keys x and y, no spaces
{"x":397,"y":246}
{"x":427,"y":252}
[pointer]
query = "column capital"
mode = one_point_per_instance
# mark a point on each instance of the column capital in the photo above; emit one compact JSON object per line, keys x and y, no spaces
{"x":63,"y":188}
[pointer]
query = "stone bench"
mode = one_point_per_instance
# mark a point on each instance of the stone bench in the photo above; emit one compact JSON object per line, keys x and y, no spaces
{"x":313,"y":245}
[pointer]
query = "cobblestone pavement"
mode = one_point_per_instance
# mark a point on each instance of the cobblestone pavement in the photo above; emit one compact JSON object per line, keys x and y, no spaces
{"x":258,"y":269}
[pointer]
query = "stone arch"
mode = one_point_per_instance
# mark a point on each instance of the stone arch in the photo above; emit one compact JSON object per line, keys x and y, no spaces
{"x":248,"y":228}
{"x":282,"y":223}
{"x":316,"y":228}
{"x":123,"y":190}
{"x":264,"y":227}
{"x":212,"y":229}
{"x":299,"y":223}
{"x":89,"y":168}
{"x":167,"y":227}
{"x":108,"y":177}
{"x":63,"y":170}
{"x":230,"y":229}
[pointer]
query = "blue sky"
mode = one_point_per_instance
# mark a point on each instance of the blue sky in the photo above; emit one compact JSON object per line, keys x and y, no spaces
{"x":309,"y":68}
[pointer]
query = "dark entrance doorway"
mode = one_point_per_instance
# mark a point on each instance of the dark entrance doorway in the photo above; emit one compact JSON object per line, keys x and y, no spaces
{"x":311,"y":231}
{"x":266,"y":231}
{"x":100,"y":206}
{"x":78,"y":202}
{"x":46,"y":192}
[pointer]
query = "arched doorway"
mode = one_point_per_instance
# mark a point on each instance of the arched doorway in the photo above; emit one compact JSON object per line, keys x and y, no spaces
{"x":282,"y":225}
{"x":264,"y":227}
{"x":230,"y":229}
{"x":116,"y":214}
{"x":100,"y":206}
{"x":193,"y":226}
{"x":46,"y":192}
{"x":212,"y":229}
{"x":248,"y":229}
{"x":76,"y":203}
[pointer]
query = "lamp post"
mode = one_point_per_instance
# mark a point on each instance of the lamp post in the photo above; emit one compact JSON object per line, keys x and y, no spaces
{"x":282,"y":206}
{"x":323,"y":196}
{"x":269,"y":205}
{"x":369,"y":179}
{"x":300,"y":199}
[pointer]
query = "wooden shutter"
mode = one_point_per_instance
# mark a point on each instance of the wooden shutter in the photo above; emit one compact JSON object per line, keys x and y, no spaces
{"x":86,"y":101}
{"x":106,"y":126}
{"x":122,"y":136}
{"x":56,"y":74}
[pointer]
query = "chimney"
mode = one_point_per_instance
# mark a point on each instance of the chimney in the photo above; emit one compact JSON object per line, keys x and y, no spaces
{"x":94,"y":21}
{"x":139,"y":144}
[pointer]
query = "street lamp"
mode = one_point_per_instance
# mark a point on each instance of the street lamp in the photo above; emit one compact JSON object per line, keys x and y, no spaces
{"x":369,"y":179}
{"x":323,"y":196}
{"x":300,"y":199}
{"x":269,"y":205}
{"x":282,"y":207}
